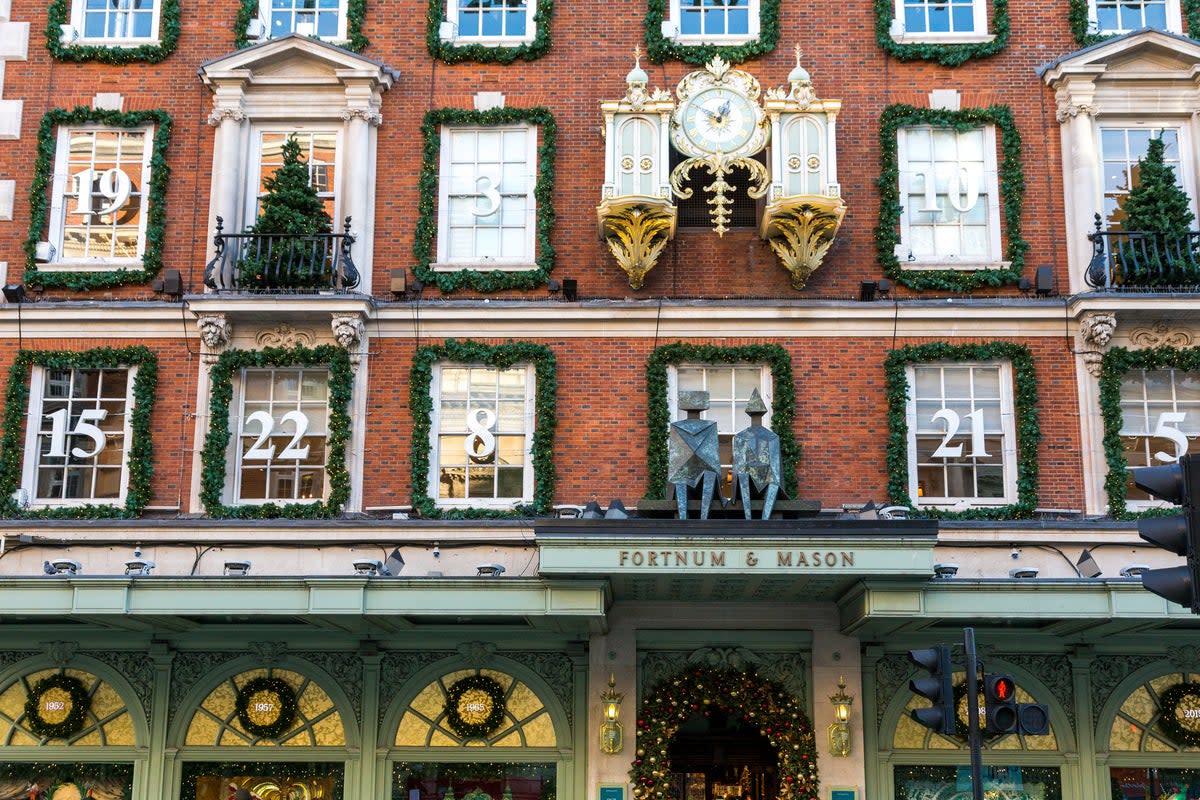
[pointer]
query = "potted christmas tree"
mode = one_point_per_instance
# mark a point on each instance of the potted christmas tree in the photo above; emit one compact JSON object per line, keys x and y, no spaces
{"x":1158,"y":207}
{"x":284,"y":254}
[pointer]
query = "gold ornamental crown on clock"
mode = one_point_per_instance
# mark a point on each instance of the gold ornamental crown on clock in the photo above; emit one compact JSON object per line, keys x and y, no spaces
{"x":719,"y":113}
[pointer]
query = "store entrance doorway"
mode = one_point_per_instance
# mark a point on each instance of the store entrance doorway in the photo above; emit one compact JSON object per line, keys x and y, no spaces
{"x":720,"y":756}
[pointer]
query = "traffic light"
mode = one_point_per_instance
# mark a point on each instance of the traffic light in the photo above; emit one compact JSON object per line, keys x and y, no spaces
{"x":938,"y":688}
{"x":1177,"y":483}
{"x":1003,"y":714}
{"x":1000,"y":704}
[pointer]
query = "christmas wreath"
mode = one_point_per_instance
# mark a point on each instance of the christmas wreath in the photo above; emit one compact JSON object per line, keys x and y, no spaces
{"x":778,"y":715}
{"x":57,"y":707}
{"x":266,"y":707}
{"x":475,"y":706}
{"x":1179,"y":716}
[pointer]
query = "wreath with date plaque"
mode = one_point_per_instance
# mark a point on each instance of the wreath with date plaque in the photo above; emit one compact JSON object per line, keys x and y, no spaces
{"x":66,"y":698}
{"x":475,"y":706}
{"x":1180,"y":714}
{"x":266,"y":707}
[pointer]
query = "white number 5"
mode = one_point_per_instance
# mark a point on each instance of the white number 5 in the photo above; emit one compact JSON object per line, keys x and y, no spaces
{"x":1163,"y":430}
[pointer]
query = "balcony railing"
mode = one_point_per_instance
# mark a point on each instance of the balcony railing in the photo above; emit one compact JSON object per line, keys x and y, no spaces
{"x":1143,"y":260}
{"x":281,"y":262}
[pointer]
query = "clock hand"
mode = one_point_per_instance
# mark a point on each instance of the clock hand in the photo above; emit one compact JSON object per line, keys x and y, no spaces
{"x":724,"y":109}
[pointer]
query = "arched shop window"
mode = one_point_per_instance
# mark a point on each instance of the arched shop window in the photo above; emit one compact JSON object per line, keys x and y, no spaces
{"x":1161,"y":717}
{"x":938,"y":767}
{"x":71,"y":708}
{"x":476,"y":734}
{"x":257,"y":715}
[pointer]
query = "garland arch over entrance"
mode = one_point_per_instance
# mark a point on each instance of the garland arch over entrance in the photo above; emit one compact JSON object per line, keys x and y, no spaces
{"x":778,"y":715}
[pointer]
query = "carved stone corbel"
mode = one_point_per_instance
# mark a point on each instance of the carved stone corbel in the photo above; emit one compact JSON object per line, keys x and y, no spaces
{"x":350,"y":332}
{"x":215,"y":332}
{"x":636,"y":229}
{"x":268,"y":652}
{"x":1096,"y":331}
{"x":61,"y":653}
{"x":801,"y":229}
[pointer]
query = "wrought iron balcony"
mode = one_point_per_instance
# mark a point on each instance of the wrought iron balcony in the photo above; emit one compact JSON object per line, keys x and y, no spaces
{"x":1143,"y":260}
{"x":281,"y":262}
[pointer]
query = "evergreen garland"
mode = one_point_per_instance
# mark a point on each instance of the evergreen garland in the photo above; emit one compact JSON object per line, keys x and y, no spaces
{"x":479,"y":53}
{"x":139,"y":456}
{"x":1077,"y":19}
{"x":659,"y":48}
{"x":356,"y":12}
{"x":285,"y":696}
{"x":1025,"y":410}
{"x":420,"y":403}
{"x":658,"y":412}
{"x":1012,"y":190}
{"x":43,"y":178}
{"x":83,"y":775}
{"x":59,"y":13}
{"x":280,"y":771}
{"x":1170,"y":703}
{"x":425,"y":232}
{"x":475,"y":683}
{"x":216,"y":443}
{"x":777,"y":715}
{"x":76,"y":715}
{"x":1113,"y":366}
{"x":945,"y":53}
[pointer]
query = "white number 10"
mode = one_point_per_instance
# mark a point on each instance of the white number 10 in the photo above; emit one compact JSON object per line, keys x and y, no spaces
{"x":978,"y":447}
{"x":83,"y":427}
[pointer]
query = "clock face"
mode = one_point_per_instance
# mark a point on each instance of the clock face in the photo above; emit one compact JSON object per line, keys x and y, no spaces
{"x":719,"y":120}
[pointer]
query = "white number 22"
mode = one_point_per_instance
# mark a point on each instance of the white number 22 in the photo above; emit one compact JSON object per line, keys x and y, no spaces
{"x":259,"y":452}
{"x":978,"y":447}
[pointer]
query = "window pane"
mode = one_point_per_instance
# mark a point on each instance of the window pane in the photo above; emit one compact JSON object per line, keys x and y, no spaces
{"x":82,"y":416}
{"x":281,"y":446}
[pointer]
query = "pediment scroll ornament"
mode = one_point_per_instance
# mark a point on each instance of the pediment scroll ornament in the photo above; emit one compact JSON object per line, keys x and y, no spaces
{"x":269,"y":653}
{"x":1096,"y":331}
{"x":286,"y":336}
{"x":1160,"y":334}
{"x":478,"y":653}
{"x":61,"y":654}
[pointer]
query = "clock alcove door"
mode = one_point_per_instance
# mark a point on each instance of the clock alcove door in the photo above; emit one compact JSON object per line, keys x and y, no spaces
{"x":722,"y":757}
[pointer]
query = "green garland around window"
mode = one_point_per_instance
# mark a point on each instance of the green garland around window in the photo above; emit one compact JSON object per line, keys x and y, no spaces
{"x":57,"y":773}
{"x":1077,"y":18}
{"x":277,"y":770}
{"x":658,"y":412}
{"x":948,"y":55}
{"x":59,"y":14}
{"x":1012,"y":191}
{"x":475,"y":725}
{"x":76,"y":698}
{"x":1029,"y":433}
{"x":1113,"y":367}
{"x":501,"y":356}
{"x":1173,"y":704}
{"x":451,"y":53}
{"x":659,"y":48}
{"x":43,"y":177}
{"x":275,"y":692}
{"x":356,"y":12}
{"x":216,"y":444}
{"x":140,"y":457}
{"x":425,"y":233}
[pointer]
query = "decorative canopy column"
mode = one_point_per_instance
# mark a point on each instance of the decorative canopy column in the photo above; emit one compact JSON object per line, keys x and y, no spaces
{"x":804,"y":205}
{"x":636,"y":217}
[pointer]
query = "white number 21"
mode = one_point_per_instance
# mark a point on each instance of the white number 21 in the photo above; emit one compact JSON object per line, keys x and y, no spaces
{"x":978,"y":447}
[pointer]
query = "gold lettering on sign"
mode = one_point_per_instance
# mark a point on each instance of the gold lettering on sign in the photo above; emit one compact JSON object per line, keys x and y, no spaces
{"x":718,"y":558}
{"x":811,"y":559}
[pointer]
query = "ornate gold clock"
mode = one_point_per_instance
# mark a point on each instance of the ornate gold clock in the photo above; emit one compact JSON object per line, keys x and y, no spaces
{"x":720,"y":125}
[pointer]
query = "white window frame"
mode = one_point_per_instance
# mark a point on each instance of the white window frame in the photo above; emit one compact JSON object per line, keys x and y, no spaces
{"x":1187,"y":157}
{"x":529,"y":260}
{"x":766,"y":390}
{"x":434,"y":485}
{"x":672,"y":28}
{"x":237,"y":423}
{"x":1008,"y":455}
{"x":990,"y":181}
{"x":1190,"y":436}
{"x":264,"y":18}
{"x":1173,"y":13}
{"x":59,"y":211}
{"x":979,"y":34}
{"x":253,"y":168}
{"x":451,"y":26}
{"x":29,"y":472}
{"x":78,"y":35}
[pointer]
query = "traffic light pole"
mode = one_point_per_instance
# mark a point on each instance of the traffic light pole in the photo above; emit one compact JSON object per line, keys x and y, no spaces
{"x":973,"y":738}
